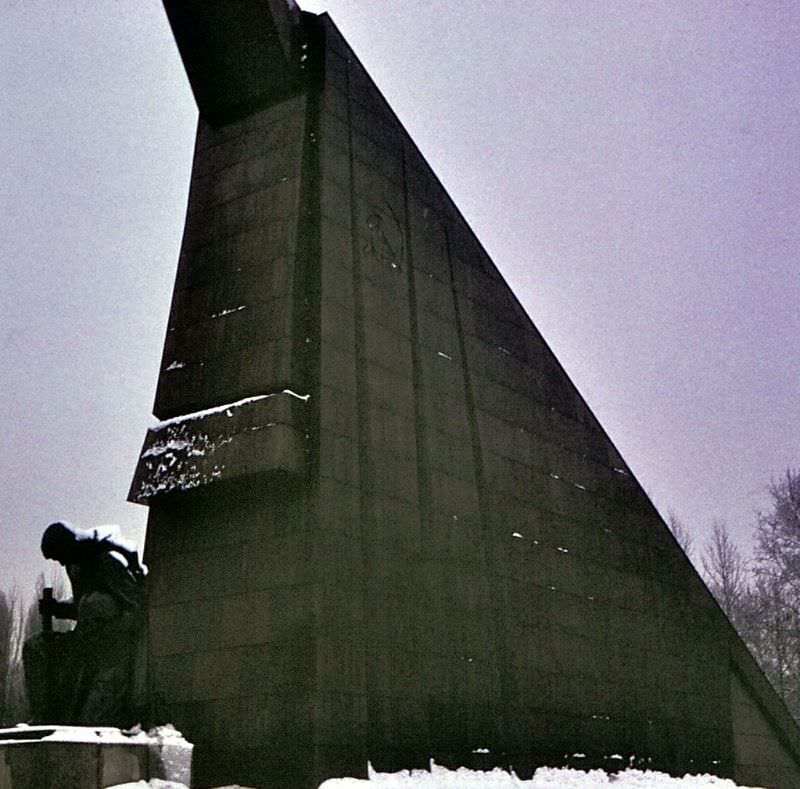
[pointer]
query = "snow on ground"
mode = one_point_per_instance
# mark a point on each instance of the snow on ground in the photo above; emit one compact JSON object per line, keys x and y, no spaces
{"x":544,"y":778}
{"x":156,"y":783}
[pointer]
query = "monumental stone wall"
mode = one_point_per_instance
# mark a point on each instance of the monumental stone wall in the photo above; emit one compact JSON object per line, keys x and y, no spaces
{"x":230,"y":333}
{"x":231,"y":594}
{"x":440,"y":553}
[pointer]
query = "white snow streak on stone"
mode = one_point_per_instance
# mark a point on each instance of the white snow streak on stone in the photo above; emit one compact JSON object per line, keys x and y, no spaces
{"x":222,"y":408}
{"x":173,"y":445}
{"x":304,"y":398}
{"x":93,"y":735}
{"x":155,"y":783}
{"x":223,"y":313}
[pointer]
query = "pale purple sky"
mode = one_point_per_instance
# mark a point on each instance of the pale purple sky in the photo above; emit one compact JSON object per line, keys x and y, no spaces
{"x":632,"y":168}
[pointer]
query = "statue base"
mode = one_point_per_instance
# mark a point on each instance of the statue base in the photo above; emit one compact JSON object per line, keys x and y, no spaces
{"x":83,"y":757}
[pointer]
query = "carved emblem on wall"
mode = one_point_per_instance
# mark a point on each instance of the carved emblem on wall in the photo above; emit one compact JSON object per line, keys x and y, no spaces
{"x":384,"y":241}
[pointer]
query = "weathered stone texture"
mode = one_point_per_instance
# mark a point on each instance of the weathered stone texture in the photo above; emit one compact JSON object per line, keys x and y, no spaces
{"x":460,"y":560}
{"x":231,"y":323}
{"x":761,"y":753}
{"x":238,"y":55}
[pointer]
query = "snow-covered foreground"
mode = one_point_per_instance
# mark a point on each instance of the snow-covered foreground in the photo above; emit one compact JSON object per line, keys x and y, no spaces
{"x":544,"y":778}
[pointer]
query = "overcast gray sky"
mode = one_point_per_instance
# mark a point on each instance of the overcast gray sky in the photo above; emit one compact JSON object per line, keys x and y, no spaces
{"x":631,"y":166}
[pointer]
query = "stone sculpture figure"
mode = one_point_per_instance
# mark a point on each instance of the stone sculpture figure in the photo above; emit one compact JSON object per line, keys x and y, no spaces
{"x":86,"y":676}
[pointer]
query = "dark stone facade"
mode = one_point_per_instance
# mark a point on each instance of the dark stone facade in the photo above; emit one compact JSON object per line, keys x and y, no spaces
{"x":383,"y":523}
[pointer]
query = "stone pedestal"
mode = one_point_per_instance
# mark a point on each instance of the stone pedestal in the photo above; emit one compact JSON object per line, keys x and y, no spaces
{"x":75,"y":757}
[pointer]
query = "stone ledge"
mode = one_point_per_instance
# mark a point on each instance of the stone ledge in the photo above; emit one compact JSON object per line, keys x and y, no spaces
{"x":251,"y":436}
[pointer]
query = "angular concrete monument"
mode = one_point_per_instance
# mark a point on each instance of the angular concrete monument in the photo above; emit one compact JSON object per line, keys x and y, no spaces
{"x":383,"y":523}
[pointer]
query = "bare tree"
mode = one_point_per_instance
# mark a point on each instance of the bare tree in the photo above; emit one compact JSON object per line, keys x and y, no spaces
{"x":778,"y":531}
{"x":11,"y":620}
{"x":7,"y":625}
{"x":681,"y":534}
{"x":774,"y":626}
{"x":19,"y":622}
{"x":761,"y":597}
{"x":726,"y":573}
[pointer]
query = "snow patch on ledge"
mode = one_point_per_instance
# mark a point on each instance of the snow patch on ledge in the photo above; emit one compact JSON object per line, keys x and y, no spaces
{"x":155,"y":783}
{"x":189,"y":451}
{"x":88,"y":735}
{"x":219,"y":409}
{"x":544,"y":778}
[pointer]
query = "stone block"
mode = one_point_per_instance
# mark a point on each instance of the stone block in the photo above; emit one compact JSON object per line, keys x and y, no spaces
{"x":180,"y":628}
{"x":448,"y":416}
{"x":250,"y":174}
{"x":339,"y":458}
{"x":335,"y":155}
{"x":285,"y":666}
{"x":451,"y":455}
{"x":343,"y":511}
{"x":390,"y":389}
{"x":336,"y":411}
{"x":424,"y":186}
{"x":372,"y":118}
{"x":370,"y":154}
{"x":220,"y":567}
{"x":385,"y":310}
{"x":267,"y":248}
{"x":393,"y":431}
{"x":337,"y":323}
{"x":218,"y":149}
{"x":251,"y":436}
{"x":392,"y":529}
{"x":337,"y":247}
{"x":334,"y":99}
{"x":236,"y":58}
{"x":442,"y":371}
{"x":335,"y":201}
{"x":71,"y":757}
{"x":281,"y":561}
{"x":395,"y":476}
{"x":377,"y":195}
{"x":433,"y":293}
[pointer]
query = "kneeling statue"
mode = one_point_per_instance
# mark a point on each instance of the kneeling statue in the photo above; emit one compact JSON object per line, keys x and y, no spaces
{"x":85,"y":676}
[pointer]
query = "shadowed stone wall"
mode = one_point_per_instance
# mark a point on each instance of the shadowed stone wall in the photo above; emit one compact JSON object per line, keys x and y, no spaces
{"x":230,"y":333}
{"x":434,"y":550}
